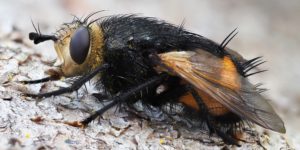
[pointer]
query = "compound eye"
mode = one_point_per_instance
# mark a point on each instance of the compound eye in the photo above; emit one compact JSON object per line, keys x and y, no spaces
{"x":79,"y":45}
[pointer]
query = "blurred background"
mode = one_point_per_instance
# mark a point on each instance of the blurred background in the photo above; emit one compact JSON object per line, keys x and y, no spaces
{"x":267,"y":28}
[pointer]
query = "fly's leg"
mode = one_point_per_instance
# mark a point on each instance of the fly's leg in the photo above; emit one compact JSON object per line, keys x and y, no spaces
{"x":46,"y":79}
{"x":211,"y":123}
{"x":75,"y":86}
{"x":120,"y":99}
{"x":53,"y":76}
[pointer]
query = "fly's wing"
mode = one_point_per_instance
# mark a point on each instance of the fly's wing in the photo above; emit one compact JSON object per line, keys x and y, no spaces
{"x":219,"y":78}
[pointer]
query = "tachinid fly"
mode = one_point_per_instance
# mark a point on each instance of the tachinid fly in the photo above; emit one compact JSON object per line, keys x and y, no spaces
{"x":135,"y":56}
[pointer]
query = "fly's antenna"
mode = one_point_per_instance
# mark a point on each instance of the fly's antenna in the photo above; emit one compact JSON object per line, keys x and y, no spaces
{"x":228,"y":39}
{"x":37,"y":37}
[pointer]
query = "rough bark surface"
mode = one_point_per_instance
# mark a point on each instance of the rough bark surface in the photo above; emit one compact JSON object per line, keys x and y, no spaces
{"x":268,"y":29}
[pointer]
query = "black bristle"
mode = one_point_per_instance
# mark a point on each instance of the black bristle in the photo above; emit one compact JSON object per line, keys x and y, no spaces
{"x":252,"y":64}
{"x":259,"y":89}
{"x":249,"y":62}
{"x":247,"y":75}
{"x":223,"y":47}
{"x":90,"y":15}
{"x":225,"y":41}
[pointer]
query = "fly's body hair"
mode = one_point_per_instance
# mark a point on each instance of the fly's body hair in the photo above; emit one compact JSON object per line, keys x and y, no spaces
{"x":129,"y":38}
{"x":142,"y":33}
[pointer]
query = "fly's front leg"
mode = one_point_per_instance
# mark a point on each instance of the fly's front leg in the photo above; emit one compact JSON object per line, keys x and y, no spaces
{"x":53,"y":76}
{"x":75,"y":86}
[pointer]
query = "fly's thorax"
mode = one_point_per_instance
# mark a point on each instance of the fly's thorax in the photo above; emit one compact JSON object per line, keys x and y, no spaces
{"x":79,"y":49}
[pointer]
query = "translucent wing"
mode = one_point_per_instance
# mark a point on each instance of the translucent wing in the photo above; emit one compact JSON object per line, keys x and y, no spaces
{"x":219,"y":78}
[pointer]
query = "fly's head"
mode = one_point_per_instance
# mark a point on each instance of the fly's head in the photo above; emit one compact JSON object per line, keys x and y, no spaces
{"x":78,"y":46}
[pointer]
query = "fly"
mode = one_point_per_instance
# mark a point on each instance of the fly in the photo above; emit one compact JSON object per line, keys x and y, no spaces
{"x":138,"y":56}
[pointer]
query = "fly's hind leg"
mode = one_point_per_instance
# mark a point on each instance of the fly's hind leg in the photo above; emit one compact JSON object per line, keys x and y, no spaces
{"x":211,"y":122}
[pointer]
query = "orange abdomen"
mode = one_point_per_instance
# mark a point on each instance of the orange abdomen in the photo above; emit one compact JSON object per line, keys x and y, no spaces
{"x":213,"y":106}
